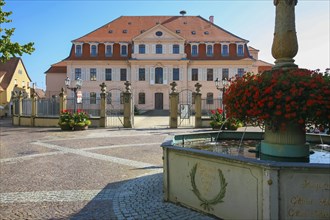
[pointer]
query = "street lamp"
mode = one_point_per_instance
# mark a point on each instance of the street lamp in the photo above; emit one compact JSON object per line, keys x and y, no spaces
{"x":67,"y":82}
{"x":221,"y":85}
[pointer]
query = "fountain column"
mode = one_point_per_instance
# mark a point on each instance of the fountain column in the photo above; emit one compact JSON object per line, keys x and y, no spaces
{"x":285,"y":43}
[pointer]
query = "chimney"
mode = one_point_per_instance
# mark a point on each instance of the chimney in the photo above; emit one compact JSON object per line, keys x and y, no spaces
{"x":211,"y":18}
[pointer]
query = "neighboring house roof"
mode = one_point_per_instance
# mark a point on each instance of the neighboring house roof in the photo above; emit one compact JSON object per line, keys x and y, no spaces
{"x":59,"y":67}
{"x":9,"y":68}
{"x":125,"y":28}
{"x":262,"y":63}
{"x":40,"y":93}
{"x":252,"y":48}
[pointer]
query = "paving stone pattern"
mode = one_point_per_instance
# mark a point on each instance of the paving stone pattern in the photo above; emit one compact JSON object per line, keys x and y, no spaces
{"x":93,"y":174}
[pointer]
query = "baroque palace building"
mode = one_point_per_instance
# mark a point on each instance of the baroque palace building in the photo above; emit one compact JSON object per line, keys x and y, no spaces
{"x":151,"y":52}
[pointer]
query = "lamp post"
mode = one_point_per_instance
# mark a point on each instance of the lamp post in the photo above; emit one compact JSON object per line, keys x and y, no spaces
{"x":221,"y":85}
{"x":67,"y":82}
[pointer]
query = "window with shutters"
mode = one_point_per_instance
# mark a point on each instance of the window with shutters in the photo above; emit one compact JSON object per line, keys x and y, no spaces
{"x":108,"y":74}
{"x":176,"y":49}
{"x":159,"y":75}
{"x":142,"y":74}
{"x":194,"y":74}
{"x":159,"y":49}
{"x":142,"y":49}
{"x":176,"y":74}
{"x":225,"y":73}
{"x":92,"y":74}
{"x":77,"y":73}
{"x":123,"y":74}
{"x":209,"y":75}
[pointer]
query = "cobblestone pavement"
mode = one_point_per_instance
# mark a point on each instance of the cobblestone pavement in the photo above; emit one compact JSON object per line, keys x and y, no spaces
{"x":95,"y":174}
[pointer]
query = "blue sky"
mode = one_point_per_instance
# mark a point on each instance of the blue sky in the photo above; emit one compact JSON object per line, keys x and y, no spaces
{"x":52,"y":25}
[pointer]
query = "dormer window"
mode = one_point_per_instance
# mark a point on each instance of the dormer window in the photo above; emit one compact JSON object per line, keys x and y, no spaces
{"x":78,"y":50}
{"x":194,"y":50}
{"x":108,"y":50}
{"x":240,"y":50}
{"x":209,"y":50}
{"x":225,"y":50}
{"x":123,"y":50}
{"x":93,"y":50}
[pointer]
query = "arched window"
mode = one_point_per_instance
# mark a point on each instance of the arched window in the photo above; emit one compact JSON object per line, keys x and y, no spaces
{"x":159,"y":75}
{"x":194,"y":50}
{"x":209,"y":50}
{"x":142,"y":49}
{"x":93,"y":50}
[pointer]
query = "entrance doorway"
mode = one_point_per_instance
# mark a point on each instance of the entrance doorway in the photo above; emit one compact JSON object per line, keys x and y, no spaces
{"x":159,"y":101}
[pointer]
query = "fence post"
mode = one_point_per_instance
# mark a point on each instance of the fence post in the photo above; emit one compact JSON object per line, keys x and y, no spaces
{"x":174,"y":102}
{"x":127,"y":105}
{"x":103,"y":116}
{"x":198,"y":106}
{"x":62,"y":100}
{"x":20,"y":106}
{"x":34,"y":107}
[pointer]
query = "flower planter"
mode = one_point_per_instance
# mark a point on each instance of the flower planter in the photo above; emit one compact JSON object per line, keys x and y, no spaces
{"x":66,"y":127}
{"x":80,"y":128}
{"x":290,"y":142}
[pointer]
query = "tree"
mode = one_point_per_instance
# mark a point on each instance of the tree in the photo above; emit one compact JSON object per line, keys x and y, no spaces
{"x":10,"y":49}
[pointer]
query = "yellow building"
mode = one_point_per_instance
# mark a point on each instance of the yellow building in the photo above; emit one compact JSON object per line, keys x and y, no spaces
{"x":13,"y":77}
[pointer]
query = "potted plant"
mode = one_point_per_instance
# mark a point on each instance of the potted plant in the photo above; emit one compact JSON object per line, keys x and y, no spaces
{"x":233,"y":124}
{"x":217,"y":119}
{"x":80,"y":120}
{"x":283,"y":101}
{"x":65,"y":120}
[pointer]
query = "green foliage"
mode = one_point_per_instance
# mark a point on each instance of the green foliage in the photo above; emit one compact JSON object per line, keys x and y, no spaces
{"x":8,"y":48}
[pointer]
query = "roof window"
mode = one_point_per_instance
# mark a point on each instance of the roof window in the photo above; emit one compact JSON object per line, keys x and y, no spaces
{"x":178,"y":31}
{"x":110,"y":31}
{"x":129,"y":23}
{"x":193,"y":32}
{"x":206,"y":33}
{"x":125,"y":31}
{"x":142,"y":31}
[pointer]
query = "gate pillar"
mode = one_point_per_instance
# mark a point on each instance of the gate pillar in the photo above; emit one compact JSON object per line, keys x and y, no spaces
{"x":198,"y":106}
{"x":34,"y":107}
{"x":62,"y":100}
{"x":103,"y":116}
{"x":174,"y":103}
{"x":128,"y":104}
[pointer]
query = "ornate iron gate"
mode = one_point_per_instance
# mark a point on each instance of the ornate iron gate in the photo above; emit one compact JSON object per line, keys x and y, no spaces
{"x":186,"y":109}
{"x":115,"y":108}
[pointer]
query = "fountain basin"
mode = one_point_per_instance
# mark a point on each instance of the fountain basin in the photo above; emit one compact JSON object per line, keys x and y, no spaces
{"x":237,"y":187}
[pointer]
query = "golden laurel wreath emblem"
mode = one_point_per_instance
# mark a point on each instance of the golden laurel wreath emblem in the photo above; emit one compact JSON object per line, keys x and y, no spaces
{"x":206,"y":204}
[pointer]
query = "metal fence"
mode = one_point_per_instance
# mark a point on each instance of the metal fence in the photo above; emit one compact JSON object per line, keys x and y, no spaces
{"x":210,"y":104}
{"x":27,"y":107}
{"x":88,"y":105}
{"x":48,"y":107}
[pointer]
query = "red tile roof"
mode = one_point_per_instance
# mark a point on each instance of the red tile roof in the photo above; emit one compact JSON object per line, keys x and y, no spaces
{"x":134,"y":25}
{"x":59,"y":67}
{"x":8,"y":69}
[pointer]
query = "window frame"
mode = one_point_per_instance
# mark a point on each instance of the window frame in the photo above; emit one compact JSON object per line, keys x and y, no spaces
{"x":122,"y":50}
{"x":142,"y":71}
{"x":93,"y":50}
{"x":122,"y":74}
{"x":159,"y":79}
{"x":209,"y":74}
{"x":106,"y":50}
{"x":192,"y":50}
{"x":142,"y":98}
{"x":107,"y":74}
{"x":142,"y":48}
{"x":225,"y":72}
{"x":240,"y":72}
{"x":209,"y":98}
{"x":240,"y":52}
{"x":76,"y":50}
{"x":194,"y":74}
{"x":176,"y":49}
{"x":178,"y":74}
{"x":222,"y":50}
{"x":159,"y":49}
{"x":92,"y":98}
{"x":77,"y":73}
{"x":209,"y":53}
{"x":92,"y":71}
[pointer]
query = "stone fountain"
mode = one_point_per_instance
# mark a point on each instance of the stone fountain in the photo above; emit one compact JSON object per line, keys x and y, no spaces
{"x":237,"y":187}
